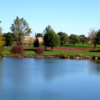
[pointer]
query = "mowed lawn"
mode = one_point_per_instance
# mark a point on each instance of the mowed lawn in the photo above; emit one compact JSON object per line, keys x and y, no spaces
{"x":8,"y":51}
{"x":57,"y":52}
{"x":83,"y":53}
{"x":77,"y":45}
{"x":80,"y":45}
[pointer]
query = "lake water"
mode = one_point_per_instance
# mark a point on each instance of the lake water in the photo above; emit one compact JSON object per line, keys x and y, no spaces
{"x":49,"y":79}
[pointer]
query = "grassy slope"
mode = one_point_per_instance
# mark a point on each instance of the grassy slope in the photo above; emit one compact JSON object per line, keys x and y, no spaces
{"x":72,"y":53}
{"x":81,"y":46}
{"x":58,"y":52}
{"x":7,"y":51}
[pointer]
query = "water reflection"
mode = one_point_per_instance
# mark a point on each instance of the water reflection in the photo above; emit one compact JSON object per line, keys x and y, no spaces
{"x":55,"y":67}
{"x":49,"y":79}
{"x":95,"y":67}
{"x":1,"y":71}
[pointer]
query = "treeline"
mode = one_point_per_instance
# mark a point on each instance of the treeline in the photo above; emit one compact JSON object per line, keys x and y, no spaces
{"x":20,"y":29}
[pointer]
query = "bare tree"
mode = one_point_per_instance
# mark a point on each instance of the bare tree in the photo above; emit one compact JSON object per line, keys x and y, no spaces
{"x":92,"y":37}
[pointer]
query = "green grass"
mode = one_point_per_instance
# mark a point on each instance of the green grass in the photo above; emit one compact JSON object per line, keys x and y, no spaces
{"x":77,"y":45}
{"x":27,"y":44}
{"x":6,"y":51}
{"x":81,"y":46}
{"x":84,"y":53}
{"x":29,"y":52}
{"x":58,"y":52}
{"x":54,"y":52}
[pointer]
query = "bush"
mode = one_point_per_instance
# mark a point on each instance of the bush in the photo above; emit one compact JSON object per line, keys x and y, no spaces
{"x":39,"y":50}
{"x":17,"y":49}
{"x":63,"y":54}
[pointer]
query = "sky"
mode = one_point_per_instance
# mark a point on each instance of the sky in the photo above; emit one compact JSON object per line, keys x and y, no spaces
{"x":69,"y":16}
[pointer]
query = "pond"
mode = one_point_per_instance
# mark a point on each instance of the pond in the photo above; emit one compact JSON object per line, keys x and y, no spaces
{"x":49,"y":79}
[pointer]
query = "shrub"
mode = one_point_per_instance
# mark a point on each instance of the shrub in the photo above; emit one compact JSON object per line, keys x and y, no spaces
{"x":39,"y":50}
{"x":17,"y":49}
{"x":63,"y":54}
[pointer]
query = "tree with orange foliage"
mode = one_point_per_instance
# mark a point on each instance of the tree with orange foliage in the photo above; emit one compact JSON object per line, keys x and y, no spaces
{"x":2,"y":42}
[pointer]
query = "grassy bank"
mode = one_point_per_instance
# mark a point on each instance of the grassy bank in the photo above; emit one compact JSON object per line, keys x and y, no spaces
{"x":80,"y":45}
{"x":58,"y":52}
{"x":77,"y":45}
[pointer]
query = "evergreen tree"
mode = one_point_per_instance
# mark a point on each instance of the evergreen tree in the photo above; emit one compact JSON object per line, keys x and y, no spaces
{"x":51,"y":39}
{"x":36,"y":42}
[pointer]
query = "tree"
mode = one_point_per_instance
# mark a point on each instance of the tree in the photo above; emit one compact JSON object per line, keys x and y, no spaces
{"x":9,"y":38}
{"x":83,"y":39}
{"x":98,"y":37}
{"x":39,"y":35}
{"x":47,"y":29}
{"x":92,"y":37}
{"x":21,"y":28}
{"x":51,"y":39}
{"x":36,"y":42}
{"x":2,"y":42}
{"x":74,"y":39}
{"x":63,"y":38}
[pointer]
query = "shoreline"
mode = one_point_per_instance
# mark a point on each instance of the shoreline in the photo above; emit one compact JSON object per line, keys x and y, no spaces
{"x":79,"y":57}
